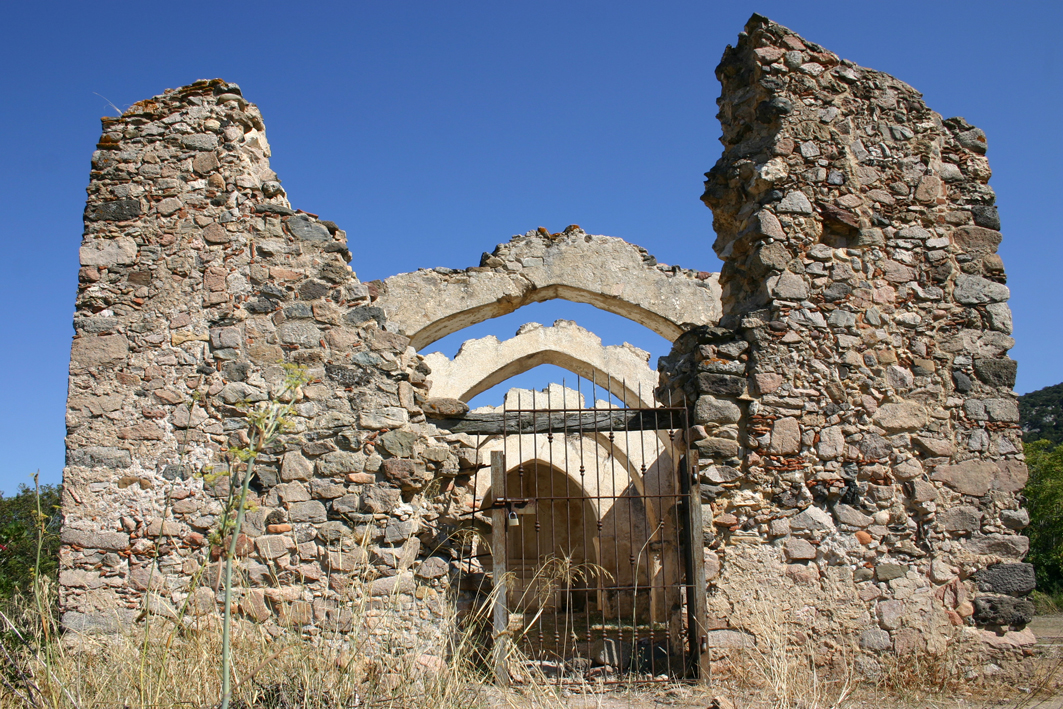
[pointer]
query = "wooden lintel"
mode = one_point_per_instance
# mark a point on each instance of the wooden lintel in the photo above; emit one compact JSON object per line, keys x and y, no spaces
{"x":587,"y":421}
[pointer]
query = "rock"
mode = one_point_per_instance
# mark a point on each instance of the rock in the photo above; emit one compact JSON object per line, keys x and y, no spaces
{"x":973,"y":139}
{"x":91,"y":351}
{"x":851,"y":516}
{"x":392,"y":585}
{"x":1007,"y":579}
{"x":312,"y":511}
{"x":296,"y":467}
{"x":1010,"y":640}
{"x":903,"y":416}
{"x":433,"y":567}
{"x":767,"y":382}
{"x":788,"y":286}
{"x":398,"y":443}
{"x":104,"y":253}
{"x":381,"y":499}
{"x":798,"y":549}
{"x":1002,"y":610}
{"x":1008,"y":546}
{"x":110,"y":541}
{"x":200,"y":141}
{"x":963,"y":519}
{"x":888,"y":571}
{"x":889,"y":614}
{"x":337,"y":463}
{"x":876,"y":640}
{"x":972,"y":477}
{"x":831,"y":443}
{"x":119,"y":210}
{"x":721,"y":384}
{"x":205,"y":163}
{"x":302,"y":228}
{"x":795,"y":202}
{"x":100,"y":457}
{"x":998,"y":373}
{"x":729,"y":639}
{"x":346,"y":561}
{"x":443,"y":408}
{"x":610,"y":652}
{"x":785,"y":437}
{"x":387,"y":417}
{"x":145,"y":431}
{"x":811,"y":519}
{"x":976,"y":239}
{"x":908,"y":641}
{"x":719,"y":474}
{"x":271,"y":546}
{"x":333,"y":531}
{"x":406,"y":474}
{"x":923,"y":491}
{"x":974,"y":290}
{"x":1015,"y":519}
{"x":1011,"y":476}
{"x":709,"y":409}
{"x":935,"y":446}
{"x":717,"y":447}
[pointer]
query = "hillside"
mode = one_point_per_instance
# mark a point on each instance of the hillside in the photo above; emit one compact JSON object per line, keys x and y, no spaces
{"x":1041,"y":414}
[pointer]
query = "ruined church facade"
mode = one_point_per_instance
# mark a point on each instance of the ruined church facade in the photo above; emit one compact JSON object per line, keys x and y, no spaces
{"x":858,"y":456}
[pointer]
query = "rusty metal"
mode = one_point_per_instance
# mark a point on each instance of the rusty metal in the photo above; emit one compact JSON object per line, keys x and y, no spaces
{"x":602,"y":570}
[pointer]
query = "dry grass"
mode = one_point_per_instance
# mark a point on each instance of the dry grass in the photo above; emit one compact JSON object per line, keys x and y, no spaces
{"x":175,"y":662}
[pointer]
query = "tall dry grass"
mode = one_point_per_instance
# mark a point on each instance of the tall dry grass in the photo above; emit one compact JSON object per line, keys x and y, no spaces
{"x":175,"y":661}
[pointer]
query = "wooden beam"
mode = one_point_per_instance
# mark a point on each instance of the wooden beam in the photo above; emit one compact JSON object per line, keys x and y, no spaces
{"x":587,"y":421}
{"x":500,"y":615}
{"x":697,"y":601}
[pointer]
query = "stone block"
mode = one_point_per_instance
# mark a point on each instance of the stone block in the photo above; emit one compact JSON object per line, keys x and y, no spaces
{"x":785,"y":437}
{"x":709,"y":409}
{"x":405,"y":473}
{"x":1003,"y":611}
{"x":1008,"y":546}
{"x":312,"y":511}
{"x":963,"y":519}
{"x":1007,"y":579}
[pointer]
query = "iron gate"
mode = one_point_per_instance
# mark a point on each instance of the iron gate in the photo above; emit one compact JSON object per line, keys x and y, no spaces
{"x":595,"y":552}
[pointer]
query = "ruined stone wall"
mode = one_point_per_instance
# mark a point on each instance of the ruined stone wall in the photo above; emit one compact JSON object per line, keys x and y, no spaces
{"x":861,"y":455}
{"x":198,"y":281}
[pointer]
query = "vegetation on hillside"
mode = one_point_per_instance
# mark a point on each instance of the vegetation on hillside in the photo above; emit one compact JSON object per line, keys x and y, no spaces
{"x":1041,"y":414}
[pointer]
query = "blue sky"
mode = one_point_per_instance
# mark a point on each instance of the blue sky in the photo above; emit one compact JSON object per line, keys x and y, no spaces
{"x":432,"y":131}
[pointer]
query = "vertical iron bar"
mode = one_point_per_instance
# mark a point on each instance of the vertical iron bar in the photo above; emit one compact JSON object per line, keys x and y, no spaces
{"x":498,"y":572}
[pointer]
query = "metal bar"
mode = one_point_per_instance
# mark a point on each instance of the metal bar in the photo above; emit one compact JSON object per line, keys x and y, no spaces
{"x":542,"y":422}
{"x":498,"y":571}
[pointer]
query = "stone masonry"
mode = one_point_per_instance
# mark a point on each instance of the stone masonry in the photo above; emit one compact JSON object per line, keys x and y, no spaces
{"x":860,"y":456}
{"x":858,"y":431}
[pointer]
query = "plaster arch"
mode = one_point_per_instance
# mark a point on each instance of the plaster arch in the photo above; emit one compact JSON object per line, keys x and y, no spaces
{"x":602,"y":271}
{"x":480,"y":364}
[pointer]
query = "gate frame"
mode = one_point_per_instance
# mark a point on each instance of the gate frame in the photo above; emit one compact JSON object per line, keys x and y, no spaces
{"x":691,"y":556}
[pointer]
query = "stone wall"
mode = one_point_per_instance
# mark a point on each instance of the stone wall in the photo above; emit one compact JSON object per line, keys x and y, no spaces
{"x":198,"y":280}
{"x":857,"y":427}
{"x":860,"y":456}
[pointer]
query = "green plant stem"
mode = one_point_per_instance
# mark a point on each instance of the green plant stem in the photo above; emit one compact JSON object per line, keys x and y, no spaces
{"x":226,"y":659}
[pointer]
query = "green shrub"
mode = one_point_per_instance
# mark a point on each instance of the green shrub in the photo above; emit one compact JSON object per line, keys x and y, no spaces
{"x":30,"y":522}
{"x":1044,"y":501}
